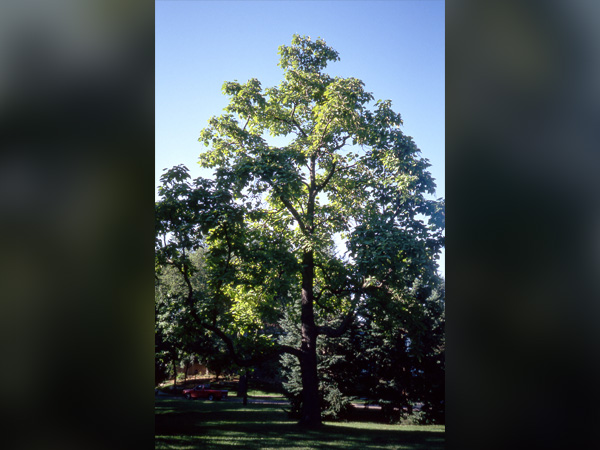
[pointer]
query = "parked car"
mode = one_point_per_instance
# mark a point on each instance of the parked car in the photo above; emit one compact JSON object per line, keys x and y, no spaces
{"x":204,"y":391}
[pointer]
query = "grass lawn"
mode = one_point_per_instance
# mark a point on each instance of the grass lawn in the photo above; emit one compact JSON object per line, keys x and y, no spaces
{"x":258,"y":393}
{"x":200,"y":424}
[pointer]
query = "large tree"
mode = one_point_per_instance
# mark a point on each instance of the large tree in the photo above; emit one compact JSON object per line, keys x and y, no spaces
{"x":299,"y":168}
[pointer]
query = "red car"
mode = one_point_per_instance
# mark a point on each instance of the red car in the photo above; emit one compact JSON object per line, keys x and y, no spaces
{"x":202,"y":391}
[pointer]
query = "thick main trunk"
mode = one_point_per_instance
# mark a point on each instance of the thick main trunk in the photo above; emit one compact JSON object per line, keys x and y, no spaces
{"x":311,"y":410}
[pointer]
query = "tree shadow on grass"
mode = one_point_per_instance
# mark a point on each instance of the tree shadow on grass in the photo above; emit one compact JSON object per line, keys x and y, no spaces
{"x":286,"y":437}
{"x":214,"y":425}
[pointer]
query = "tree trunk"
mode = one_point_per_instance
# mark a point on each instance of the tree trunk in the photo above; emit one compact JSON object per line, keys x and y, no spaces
{"x":243,"y":387}
{"x":311,"y":410}
{"x":174,"y":374}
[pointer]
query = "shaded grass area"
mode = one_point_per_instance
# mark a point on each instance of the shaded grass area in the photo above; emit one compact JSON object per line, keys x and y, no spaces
{"x":190,"y":425}
{"x":260,"y":391}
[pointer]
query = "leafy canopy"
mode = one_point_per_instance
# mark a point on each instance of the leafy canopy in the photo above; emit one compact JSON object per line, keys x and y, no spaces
{"x":295,"y":167}
{"x":344,"y":168}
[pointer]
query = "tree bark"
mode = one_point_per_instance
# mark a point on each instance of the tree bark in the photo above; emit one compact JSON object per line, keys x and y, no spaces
{"x":243,"y":387}
{"x":311,"y":410}
{"x":174,"y":374}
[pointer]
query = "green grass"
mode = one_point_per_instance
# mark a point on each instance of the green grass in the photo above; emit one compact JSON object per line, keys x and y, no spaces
{"x":191,"y":425}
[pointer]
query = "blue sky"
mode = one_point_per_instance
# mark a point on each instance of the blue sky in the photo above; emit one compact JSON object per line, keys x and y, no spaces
{"x":395,"y":47}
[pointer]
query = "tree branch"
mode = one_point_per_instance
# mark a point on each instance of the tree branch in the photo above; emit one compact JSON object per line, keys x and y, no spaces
{"x":294,"y":213}
{"x":325,"y":132}
{"x":337,"y":147}
{"x":349,"y":167}
{"x":292,"y":121}
{"x":327,"y":178}
{"x":255,"y":359}
{"x":343,"y":326}
{"x":228,"y":341}
{"x":329,"y":219}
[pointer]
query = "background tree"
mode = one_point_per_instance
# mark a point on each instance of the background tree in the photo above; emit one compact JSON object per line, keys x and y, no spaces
{"x":179,"y":340}
{"x":396,"y":359}
{"x":270,"y":217}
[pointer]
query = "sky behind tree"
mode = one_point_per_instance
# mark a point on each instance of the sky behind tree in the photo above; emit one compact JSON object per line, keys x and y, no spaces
{"x":396,"y":48}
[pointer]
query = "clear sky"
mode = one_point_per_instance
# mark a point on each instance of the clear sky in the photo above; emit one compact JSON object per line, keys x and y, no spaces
{"x":396,"y":48}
